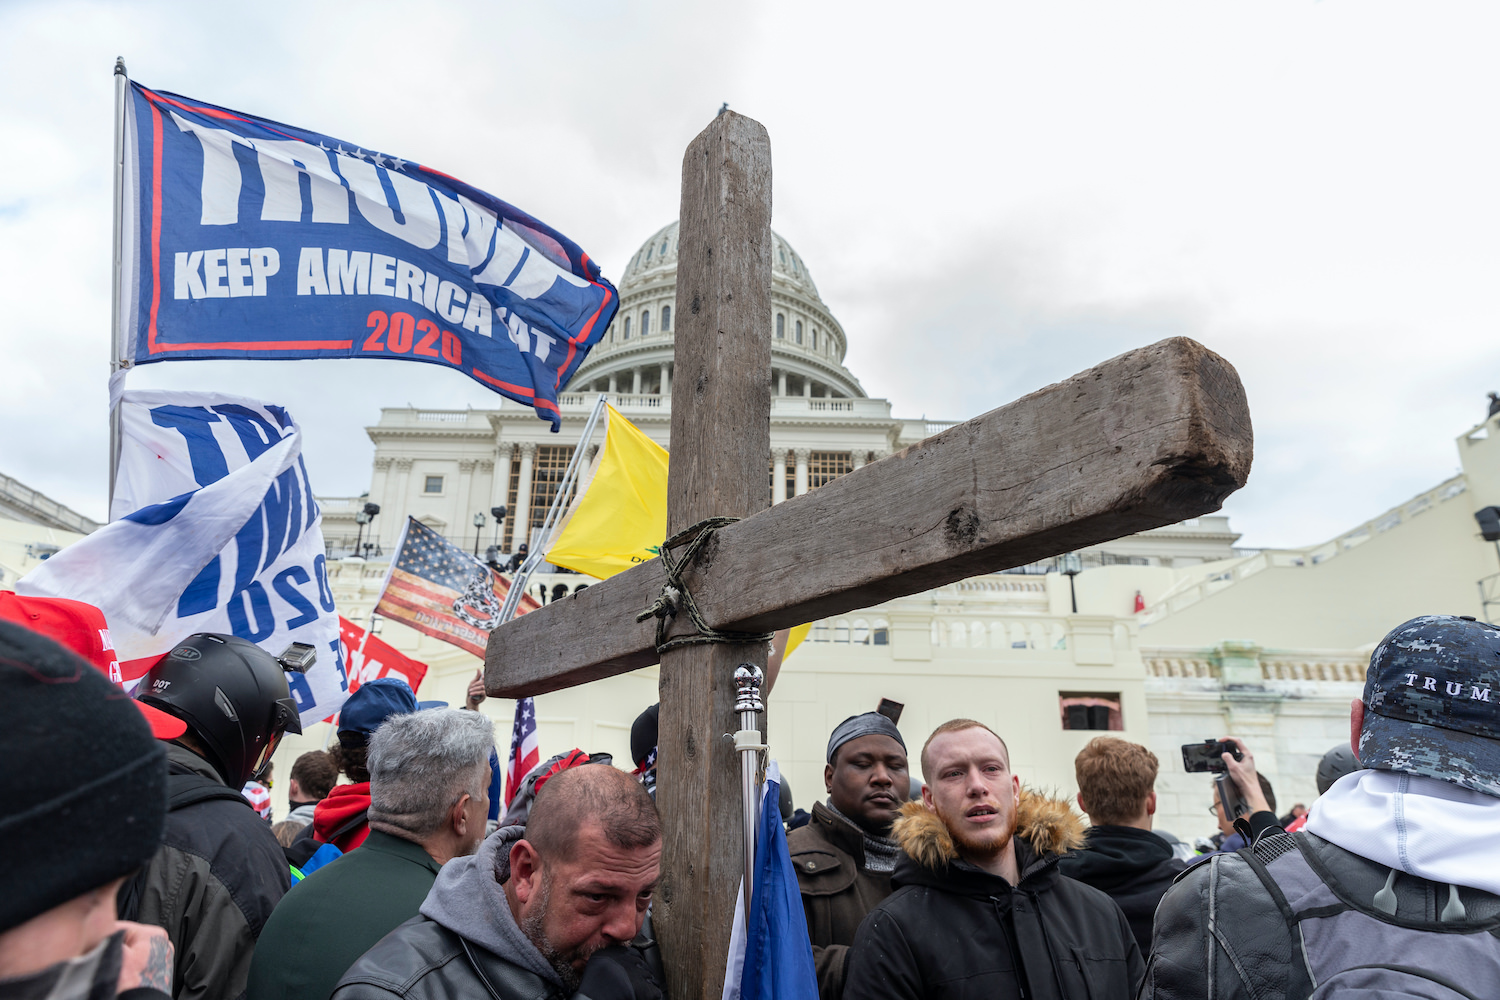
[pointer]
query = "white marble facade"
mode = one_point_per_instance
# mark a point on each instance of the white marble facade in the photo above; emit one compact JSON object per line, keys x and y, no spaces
{"x":1007,"y":649}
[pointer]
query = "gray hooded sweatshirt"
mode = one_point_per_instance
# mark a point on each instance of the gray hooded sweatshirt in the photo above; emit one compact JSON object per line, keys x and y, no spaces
{"x":467,"y":899}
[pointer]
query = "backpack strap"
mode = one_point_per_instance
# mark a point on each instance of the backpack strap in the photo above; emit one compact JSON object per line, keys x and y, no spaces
{"x":1300,"y":983}
{"x":354,"y":821}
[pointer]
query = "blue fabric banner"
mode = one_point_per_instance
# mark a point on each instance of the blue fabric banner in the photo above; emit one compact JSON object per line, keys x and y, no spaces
{"x":247,"y":238}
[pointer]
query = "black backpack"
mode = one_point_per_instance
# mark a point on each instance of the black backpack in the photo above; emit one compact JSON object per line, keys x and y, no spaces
{"x":1437,"y":942}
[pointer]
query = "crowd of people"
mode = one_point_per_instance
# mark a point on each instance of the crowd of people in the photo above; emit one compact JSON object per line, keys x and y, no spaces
{"x":137,"y":867}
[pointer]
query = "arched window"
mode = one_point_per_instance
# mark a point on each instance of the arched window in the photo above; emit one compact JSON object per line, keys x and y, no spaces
{"x":783,"y":257}
{"x":841,"y":631}
{"x":815,"y":338}
{"x":799,"y":331}
{"x":860,"y":635}
{"x":820,"y":632}
{"x":663,"y":251}
{"x":780,"y":327}
{"x":648,"y":255}
{"x":666,"y":318}
{"x":627,"y":329}
{"x":794,"y":266}
{"x":646,"y":323}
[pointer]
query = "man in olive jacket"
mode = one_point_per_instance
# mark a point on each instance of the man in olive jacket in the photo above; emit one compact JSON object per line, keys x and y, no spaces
{"x":429,"y":775}
{"x":980,"y":910}
{"x":844,"y":857}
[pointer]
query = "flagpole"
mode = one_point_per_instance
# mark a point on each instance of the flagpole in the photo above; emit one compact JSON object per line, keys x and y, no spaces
{"x":117,"y":364}
{"x":536,"y":554}
{"x":747,"y":743}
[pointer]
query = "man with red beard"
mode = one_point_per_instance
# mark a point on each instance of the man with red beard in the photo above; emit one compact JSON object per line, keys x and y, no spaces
{"x":980,"y":909}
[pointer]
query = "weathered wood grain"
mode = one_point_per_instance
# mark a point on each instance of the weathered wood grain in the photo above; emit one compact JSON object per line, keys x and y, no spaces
{"x":721,"y":427}
{"x":1148,"y":438}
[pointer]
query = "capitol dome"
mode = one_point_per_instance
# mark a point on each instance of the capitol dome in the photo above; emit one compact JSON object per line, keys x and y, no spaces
{"x":635,"y":356}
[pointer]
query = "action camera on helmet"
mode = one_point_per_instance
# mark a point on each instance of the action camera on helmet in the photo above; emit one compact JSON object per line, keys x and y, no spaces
{"x":232,"y":694}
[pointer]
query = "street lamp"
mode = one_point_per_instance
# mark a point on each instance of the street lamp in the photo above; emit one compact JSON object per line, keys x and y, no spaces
{"x":1071,"y":564}
{"x":478,"y":523}
{"x":362,"y":517}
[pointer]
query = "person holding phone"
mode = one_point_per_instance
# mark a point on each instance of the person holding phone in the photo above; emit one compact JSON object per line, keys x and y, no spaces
{"x":1242,"y":795}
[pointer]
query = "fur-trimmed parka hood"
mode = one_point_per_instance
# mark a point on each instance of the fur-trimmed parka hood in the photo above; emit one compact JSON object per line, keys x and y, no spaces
{"x":1049,"y":827}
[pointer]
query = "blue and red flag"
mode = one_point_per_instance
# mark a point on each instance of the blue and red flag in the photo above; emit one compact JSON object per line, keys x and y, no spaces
{"x":247,"y":238}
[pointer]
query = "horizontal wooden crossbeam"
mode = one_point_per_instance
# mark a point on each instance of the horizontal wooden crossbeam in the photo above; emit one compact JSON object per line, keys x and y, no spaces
{"x":1146,"y":439}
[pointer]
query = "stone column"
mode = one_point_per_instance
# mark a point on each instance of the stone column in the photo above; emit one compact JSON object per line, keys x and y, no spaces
{"x":395,"y":514}
{"x":802,"y":456}
{"x":859,"y":459}
{"x":781,"y":383}
{"x":466,"y":509}
{"x":635,"y":381}
{"x":666,"y":379}
{"x":613,"y":384}
{"x":828,"y":392}
{"x":380,"y":482}
{"x":499,"y":468}
{"x":521,"y":529}
{"x":807,"y":387}
{"x":778,"y":474}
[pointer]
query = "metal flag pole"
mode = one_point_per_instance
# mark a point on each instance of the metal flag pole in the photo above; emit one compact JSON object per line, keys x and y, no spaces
{"x":117,"y":364}
{"x":536,"y":555}
{"x":747,"y":743}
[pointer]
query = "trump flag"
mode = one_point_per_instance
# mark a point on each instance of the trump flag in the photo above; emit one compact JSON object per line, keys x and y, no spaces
{"x":247,"y":238}
{"x":370,"y":658}
{"x":214,"y":529}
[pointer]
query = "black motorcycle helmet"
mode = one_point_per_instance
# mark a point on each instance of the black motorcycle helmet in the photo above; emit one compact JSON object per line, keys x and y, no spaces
{"x":232,"y":694}
{"x":1335,"y":764}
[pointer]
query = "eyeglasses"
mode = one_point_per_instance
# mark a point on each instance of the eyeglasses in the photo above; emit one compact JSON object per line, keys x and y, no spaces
{"x":1213,"y":810}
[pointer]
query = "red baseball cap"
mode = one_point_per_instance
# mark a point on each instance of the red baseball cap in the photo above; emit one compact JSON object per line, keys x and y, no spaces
{"x":81,"y":627}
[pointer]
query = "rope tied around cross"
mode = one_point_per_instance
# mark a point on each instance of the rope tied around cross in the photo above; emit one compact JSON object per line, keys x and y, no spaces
{"x":675,"y":595}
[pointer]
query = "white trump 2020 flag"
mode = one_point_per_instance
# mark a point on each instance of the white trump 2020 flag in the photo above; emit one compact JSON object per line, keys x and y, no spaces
{"x":213,"y":529}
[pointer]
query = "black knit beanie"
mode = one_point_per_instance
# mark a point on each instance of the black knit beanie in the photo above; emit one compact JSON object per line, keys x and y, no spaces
{"x":83,"y":785}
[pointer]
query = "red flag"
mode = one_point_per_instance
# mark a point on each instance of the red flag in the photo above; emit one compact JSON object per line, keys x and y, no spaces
{"x":369,"y":658}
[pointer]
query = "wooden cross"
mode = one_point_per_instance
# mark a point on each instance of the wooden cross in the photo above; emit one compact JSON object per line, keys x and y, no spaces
{"x":1146,"y":439}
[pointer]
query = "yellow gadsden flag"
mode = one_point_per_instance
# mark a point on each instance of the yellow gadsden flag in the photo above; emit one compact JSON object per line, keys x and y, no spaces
{"x":619,"y":518}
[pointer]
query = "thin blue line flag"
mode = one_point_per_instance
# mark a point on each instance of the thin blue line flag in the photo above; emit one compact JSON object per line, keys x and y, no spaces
{"x":770,"y":957}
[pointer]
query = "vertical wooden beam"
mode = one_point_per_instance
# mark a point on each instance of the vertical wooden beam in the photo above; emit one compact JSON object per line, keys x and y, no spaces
{"x":721,"y":426}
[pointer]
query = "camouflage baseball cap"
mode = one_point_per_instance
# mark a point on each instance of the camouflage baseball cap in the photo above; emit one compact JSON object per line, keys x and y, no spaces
{"x":1432,"y":702}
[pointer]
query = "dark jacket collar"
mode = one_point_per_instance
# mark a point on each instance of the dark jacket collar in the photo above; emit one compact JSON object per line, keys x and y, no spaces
{"x":840,"y":832}
{"x":387,"y":843}
{"x":185,"y":759}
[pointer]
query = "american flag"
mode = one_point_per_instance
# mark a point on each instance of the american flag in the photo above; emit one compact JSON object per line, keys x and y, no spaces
{"x":525,"y":748}
{"x":430,"y":573}
{"x":259,"y":797}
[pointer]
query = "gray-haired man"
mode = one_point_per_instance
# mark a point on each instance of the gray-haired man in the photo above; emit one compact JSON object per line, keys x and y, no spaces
{"x":429,"y":772}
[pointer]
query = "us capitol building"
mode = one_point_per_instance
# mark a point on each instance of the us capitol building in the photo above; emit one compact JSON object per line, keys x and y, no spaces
{"x":1165,"y":637}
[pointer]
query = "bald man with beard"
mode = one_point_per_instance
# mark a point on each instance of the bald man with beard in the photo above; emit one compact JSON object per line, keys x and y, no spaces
{"x":980,"y":909}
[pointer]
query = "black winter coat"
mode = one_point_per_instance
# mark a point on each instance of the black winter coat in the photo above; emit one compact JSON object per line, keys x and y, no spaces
{"x":212,"y":884}
{"x":953,"y":931}
{"x":1135,"y":867}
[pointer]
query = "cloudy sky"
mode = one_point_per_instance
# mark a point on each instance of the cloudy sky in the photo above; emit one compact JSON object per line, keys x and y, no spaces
{"x":990,"y":196}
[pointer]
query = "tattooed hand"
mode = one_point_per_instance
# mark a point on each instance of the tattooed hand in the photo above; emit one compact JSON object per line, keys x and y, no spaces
{"x":147,"y":959}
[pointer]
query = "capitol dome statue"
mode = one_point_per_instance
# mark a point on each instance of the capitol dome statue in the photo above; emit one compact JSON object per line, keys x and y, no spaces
{"x":635,"y":356}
